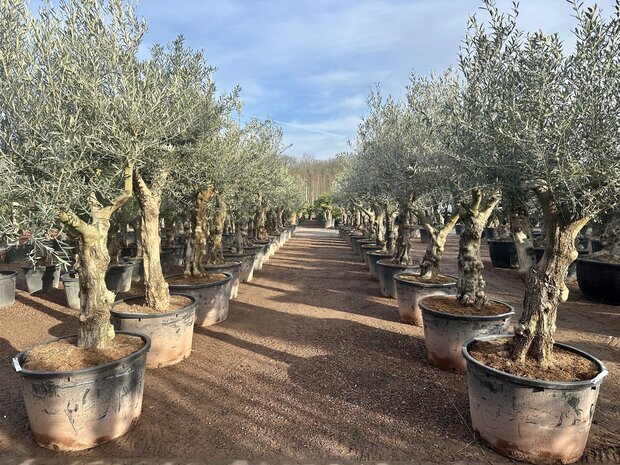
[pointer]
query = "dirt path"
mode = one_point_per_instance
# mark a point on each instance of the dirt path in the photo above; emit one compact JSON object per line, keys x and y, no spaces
{"x":311,"y":364}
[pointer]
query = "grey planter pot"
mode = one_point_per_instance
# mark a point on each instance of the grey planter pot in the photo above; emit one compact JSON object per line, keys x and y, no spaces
{"x":234,"y":268}
{"x":373,"y":259}
{"x":41,"y":278}
{"x":7,"y":287}
{"x":71,"y":283}
{"x":445,"y":334}
{"x":386,"y":271}
{"x":528,"y":419}
{"x":409,"y":293}
{"x":171,"y":333}
{"x":212,"y":299}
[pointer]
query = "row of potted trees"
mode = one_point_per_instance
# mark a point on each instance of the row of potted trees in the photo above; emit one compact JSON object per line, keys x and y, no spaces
{"x":94,"y":138}
{"x":532,"y":130}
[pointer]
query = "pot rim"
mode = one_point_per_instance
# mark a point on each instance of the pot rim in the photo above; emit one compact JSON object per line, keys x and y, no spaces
{"x":228,"y":265}
{"x":500,"y":241}
{"x":47,"y":267}
{"x":397,"y":277}
{"x":181,"y":287}
{"x":7,"y":274}
{"x":368,"y":246}
{"x":82,"y":371}
{"x":396,"y":265}
{"x":384,"y":254}
{"x":66,"y":277}
{"x":243,"y":255}
{"x":135,"y":316}
{"x":122,"y":265}
{"x":132,"y":259}
{"x":451,"y":316}
{"x":591,"y":259}
{"x":532,"y":382}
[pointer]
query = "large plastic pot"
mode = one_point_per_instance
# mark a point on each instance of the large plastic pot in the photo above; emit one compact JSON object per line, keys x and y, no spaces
{"x":373,"y":259}
{"x":118,"y":278}
{"x":599,"y":281}
{"x":409,"y":294}
{"x":528,"y":419}
{"x":259,"y":255}
{"x":7,"y":287}
{"x":357,"y":249}
{"x":165,"y":258}
{"x":71,"y":283}
{"x":246,"y":273}
{"x":41,"y":278}
{"x":351,"y":235}
{"x":596,"y":245}
{"x":459,"y":228}
{"x":137,"y":272}
{"x":503,"y":253}
{"x":231,"y":267}
{"x":365,"y":248}
{"x":445,"y":334}
{"x":17,"y":253}
{"x":171,"y":333}
{"x":80,"y":409}
{"x":354,"y":243}
{"x":212,"y":299}
{"x":386,"y":271}
{"x":491,"y":234}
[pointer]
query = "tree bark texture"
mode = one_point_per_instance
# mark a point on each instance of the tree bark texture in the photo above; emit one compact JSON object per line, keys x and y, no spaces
{"x":403,"y":241}
{"x":545,"y":286}
{"x":216,"y":251}
{"x":95,"y":330}
{"x":521,"y":231}
{"x":197,"y":248}
{"x":474,"y":217}
{"x":156,"y":294}
{"x":430,"y":264}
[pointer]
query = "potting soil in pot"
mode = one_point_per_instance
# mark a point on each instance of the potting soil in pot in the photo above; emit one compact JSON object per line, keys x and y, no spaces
{"x":65,"y":355}
{"x":177,"y":302}
{"x":566,"y":366}
{"x":414,"y":278}
{"x":453,"y":307}
{"x":194,"y":280}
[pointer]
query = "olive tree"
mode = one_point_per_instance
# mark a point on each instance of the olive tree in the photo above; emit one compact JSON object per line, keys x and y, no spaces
{"x":74,"y":122}
{"x":562,"y":122}
{"x":430,"y":101}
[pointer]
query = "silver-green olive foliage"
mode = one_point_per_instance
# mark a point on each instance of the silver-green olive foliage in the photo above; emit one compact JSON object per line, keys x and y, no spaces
{"x":548,"y":120}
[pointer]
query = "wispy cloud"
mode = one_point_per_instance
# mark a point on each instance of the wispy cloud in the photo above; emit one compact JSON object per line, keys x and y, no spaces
{"x":309,"y":64}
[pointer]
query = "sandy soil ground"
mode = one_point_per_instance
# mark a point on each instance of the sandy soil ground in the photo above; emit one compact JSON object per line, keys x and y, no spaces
{"x":311,"y":363}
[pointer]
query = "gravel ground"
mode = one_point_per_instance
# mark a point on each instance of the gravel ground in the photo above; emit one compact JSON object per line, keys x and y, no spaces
{"x":311,"y":365}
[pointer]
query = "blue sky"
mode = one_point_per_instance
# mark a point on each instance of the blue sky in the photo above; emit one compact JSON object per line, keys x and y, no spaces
{"x":309,"y":64}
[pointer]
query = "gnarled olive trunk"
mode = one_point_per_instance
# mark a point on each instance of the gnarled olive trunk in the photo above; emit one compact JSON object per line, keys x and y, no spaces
{"x":95,"y":330}
{"x":197,"y":244}
{"x":403,"y":241}
{"x":430,"y":264}
{"x":241,"y":233}
{"x":474,"y":217}
{"x":390,"y":236}
{"x":521,"y":232}
{"x":260,"y":220}
{"x":156,"y":294}
{"x":379,"y":227}
{"x":279,"y":220}
{"x":216,"y":252}
{"x":545,"y":289}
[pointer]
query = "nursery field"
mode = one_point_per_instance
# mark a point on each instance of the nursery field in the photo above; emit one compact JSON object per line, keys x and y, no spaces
{"x":311,"y":364}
